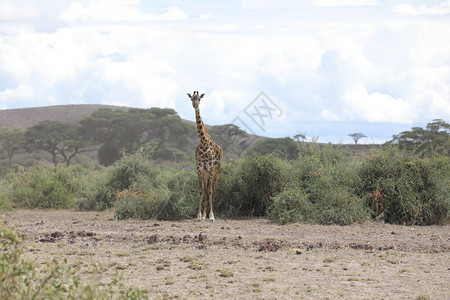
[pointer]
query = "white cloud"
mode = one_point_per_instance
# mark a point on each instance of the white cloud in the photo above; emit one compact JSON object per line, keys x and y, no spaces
{"x":423,"y":10}
{"x":116,"y":11}
{"x":360,"y":64}
{"x":338,"y":3}
{"x":376,"y":107}
{"x":20,"y":93}
{"x":154,"y":79}
{"x":17,"y":11}
{"x":277,"y":4}
{"x":329,"y":115}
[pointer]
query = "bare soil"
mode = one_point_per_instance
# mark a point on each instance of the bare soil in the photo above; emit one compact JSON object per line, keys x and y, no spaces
{"x":244,"y":259}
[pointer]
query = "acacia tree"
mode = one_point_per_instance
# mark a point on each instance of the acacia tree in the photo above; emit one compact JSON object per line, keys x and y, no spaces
{"x":11,"y":141}
{"x":62,"y":140}
{"x":231,"y":138}
{"x":434,"y":138}
{"x":160,"y":129}
{"x":357,"y":136}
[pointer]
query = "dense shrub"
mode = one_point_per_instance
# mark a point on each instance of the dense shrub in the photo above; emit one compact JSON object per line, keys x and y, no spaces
{"x":136,"y":203}
{"x":246,"y":187}
{"x":291,"y":206}
{"x":320,"y":189}
{"x":337,"y":206}
{"x":5,"y":200}
{"x":45,"y":187}
{"x":132,"y":168}
{"x":119,"y":177}
{"x":21,"y":279}
{"x":175,"y":197}
{"x":323,"y":185}
{"x":403,"y":189}
{"x":340,"y":207}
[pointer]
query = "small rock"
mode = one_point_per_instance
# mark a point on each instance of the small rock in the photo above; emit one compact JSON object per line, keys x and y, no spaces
{"x":175,"y":240}
{"x":56,"y":234}
{"x":47,"y":239}
{"x":268,"y":247}
{"x":156,"y":238}
{"x":187,"y":239}
{"x":202,"y":237}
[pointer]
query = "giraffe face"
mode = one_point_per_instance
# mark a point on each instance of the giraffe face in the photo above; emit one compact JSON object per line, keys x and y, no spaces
{"x":195,"y":98}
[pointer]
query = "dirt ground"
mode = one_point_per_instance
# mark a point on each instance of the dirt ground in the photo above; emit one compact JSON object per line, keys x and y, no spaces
{"x":244,"y":259}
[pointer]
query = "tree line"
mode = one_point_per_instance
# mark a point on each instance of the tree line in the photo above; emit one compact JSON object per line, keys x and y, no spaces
{"x":162,"y":135}
{"x":159,"y":132}
{"x":108,"y":131}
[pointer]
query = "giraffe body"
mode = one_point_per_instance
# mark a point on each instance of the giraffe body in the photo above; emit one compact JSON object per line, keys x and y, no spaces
{"x":208,"y":156}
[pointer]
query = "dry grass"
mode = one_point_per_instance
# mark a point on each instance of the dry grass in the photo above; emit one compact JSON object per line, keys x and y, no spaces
{"x":314,"y":262}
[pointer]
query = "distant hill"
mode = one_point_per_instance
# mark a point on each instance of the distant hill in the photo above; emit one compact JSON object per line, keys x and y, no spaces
{"x":233,"y":145}
{"x":27,"y":117}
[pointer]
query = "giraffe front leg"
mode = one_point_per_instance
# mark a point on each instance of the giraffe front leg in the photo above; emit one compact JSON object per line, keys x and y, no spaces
{"x":211,"y":190}
{"x":199,"y":214}
{"x":204,"y":208}
{"x":201,"y":185}
{"x":211,"y":203}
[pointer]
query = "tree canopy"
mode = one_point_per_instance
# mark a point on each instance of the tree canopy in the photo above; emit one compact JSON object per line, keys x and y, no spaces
{"x":434,"y":138}
{"x":357,"y":136}
{"x":159,"y":129}
{"x":11,"y":141}
{"x":284,"y":146}
{"x":62,"y":140}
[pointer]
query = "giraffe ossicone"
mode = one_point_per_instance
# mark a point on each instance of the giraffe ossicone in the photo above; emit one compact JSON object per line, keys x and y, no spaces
{"x":208,"y":156}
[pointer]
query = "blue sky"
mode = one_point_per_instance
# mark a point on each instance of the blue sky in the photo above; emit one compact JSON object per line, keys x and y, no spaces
{"x":328,"y":67}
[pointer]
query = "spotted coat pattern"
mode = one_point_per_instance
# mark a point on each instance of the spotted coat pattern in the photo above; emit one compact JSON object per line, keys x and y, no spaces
{"x":208,"y":156}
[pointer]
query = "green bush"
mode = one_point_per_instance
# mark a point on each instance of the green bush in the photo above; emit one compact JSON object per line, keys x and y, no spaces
{"x":336,"y":207}
{"x":44,"y":187}
{"x":246,"y":186}
{"x":132,"y":168}
{"x":123,"y":174}
{"x":183,"y":187}
{"x":21,"y":279}
{"x":175,"y":199}
{"x":320,"y":189}
{"x":227,"y":195}
{"x":291,"y":206}
{"x":340,"y":207}
{"x":404,"y":189}
{"x":135,"y":203}
{"x":5,"y":200}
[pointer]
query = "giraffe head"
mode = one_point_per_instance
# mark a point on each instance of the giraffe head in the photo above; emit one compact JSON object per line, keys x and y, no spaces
{"x":195,"y":98}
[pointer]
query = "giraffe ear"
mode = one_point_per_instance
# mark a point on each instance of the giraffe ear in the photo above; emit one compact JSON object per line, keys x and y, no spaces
{"x":201,"y":96}
{"x":189,"y":95}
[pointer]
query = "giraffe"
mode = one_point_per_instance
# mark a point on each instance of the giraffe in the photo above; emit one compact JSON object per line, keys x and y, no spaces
{"x":207,"y":156}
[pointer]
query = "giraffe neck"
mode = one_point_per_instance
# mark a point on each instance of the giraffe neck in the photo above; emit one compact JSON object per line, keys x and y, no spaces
{"x":201,"y":128}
